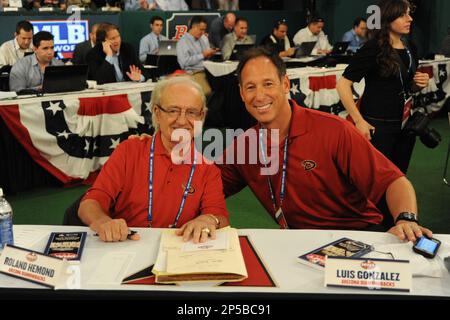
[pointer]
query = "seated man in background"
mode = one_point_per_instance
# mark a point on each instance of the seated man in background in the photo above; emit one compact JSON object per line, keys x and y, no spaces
{"x":150,"y":43}
{"x":135,"y":5}
{"x":28,"y":72}
{"x":219,"y":28}
{"x":314,"y":32}
{"x":278,"y":42}
{"x":15,"y":49}
{"x":83,"y":48}
{"x":329,"y":176}
{"x":112,"y":60}
{"x":356,"y":36}
{"x":238,"y":36}
{"x":192,"y":49}
{"x":133,"y":191}
{"x":172,"y":5}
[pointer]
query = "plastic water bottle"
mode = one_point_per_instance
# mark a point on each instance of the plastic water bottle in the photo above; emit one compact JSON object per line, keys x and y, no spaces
{"x":6,"y":224}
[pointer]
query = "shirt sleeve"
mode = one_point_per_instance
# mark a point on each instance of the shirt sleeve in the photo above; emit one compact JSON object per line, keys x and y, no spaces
{"x":17,"y":78}
{"x":347,"y":37}
{"x":186,"y":58}
{"x":362,"y":62}
{"x":213,"y":201}
{"x":111,"y":179}
{"x":364,"y":166}
{"x":144,"y":49}
{"x":227,"y":47}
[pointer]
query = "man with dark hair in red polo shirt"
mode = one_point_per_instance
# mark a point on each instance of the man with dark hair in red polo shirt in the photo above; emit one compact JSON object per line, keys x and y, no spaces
{"x":329,"y":177}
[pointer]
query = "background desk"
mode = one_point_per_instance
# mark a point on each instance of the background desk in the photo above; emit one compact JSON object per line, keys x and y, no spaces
{"x":278,"y":249}
{"x":69,"y":135}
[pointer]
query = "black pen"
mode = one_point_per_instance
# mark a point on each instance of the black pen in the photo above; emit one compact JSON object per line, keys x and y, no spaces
{"x":130,"y":233}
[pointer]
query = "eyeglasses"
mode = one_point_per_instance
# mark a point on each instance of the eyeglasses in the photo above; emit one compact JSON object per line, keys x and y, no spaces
{"x":280,"y":22}
{"x":175,"y":113}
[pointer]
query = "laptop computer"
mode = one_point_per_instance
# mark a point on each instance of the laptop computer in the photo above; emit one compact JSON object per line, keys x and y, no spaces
{"x":340,"y":48}
{"x":167,"y":48}
{"x":65,"y":78}
{"x":239,"y":50}
{"x":304,"y":49}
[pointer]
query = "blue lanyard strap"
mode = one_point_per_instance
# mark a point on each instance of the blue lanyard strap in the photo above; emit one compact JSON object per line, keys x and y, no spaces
{"x":283,"y":174}
{"x":150,"y":186}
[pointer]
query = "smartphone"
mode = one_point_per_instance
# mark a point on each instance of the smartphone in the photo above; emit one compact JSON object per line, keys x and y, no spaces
{"x":427,"y":247}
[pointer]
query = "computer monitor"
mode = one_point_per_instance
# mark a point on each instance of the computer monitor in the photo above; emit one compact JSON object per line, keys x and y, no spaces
{"x":239,"y":50}
{"x":305,"y":49}
{"x":340,"y":47}
{"x":167,"y":48}
{"x":65,"y":78}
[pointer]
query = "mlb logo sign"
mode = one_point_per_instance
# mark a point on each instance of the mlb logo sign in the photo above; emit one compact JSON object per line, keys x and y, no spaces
{"x":67,"y":33}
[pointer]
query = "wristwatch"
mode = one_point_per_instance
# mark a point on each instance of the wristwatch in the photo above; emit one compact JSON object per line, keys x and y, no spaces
{"x":407,"y":216}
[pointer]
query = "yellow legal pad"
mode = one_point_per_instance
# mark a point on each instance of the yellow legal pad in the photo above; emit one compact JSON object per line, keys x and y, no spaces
{"x":174,"y":264}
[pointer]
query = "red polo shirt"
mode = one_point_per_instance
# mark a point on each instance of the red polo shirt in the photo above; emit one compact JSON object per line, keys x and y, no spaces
{"x":122,"y":186}
{"x":334,"y":175}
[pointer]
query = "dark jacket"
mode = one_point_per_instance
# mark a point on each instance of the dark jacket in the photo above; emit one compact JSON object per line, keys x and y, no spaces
{"x":102,"y":71}
{"x":81,"y":51}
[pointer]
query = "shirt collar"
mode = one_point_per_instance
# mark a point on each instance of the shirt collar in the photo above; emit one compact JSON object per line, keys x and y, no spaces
{"x":298,"y":125}
{"x":17,"y":47}
{"x":191,"y":36}
{"x":298,"y":122}
{"x":159,"y":147}
{"x":16,"y":44}
{"x":34,"y":61}
{"x":310,"y":33}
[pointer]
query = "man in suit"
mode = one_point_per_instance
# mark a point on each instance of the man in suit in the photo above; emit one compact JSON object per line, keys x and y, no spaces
{"x":112,"y":60}
{"x":83,"y":48}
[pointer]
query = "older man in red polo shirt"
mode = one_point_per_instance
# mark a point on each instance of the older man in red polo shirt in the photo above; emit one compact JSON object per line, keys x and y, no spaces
{"x":140,"y":185}
{"x":329,"y":176}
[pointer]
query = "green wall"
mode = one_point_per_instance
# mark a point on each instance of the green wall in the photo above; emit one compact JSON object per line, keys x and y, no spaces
{"x":135,"y":25}
{"x":432,"y":18}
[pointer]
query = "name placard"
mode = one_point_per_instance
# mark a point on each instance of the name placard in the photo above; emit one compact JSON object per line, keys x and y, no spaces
{"x":10,"y":9}
{"x":46,"y":9}
{"x":372,"y":274}
{"x":32,"y":266}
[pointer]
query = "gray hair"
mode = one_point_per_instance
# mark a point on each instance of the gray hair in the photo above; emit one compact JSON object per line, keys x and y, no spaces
{"x":170,"y":81}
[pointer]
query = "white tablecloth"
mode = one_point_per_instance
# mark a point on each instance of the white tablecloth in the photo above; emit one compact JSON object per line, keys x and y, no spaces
{"x":278,"y":249}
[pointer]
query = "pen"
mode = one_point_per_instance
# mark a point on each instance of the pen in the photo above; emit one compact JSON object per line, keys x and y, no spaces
{"x":130,"y":233}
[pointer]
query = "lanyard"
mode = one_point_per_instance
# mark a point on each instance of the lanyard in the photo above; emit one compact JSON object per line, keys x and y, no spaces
{"x":150,"y":186}
{"x":283,"y":175}
{"x":409,"y":70}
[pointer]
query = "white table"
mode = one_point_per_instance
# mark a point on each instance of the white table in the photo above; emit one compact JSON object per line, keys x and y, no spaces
{"x":278,"y":250}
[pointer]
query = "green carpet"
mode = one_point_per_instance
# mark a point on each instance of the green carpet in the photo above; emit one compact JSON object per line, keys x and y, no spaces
{"x":47,"y":206}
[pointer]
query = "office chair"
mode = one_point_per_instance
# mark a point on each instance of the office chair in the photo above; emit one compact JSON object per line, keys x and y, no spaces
{"x":4,"y":78}
{"x":71,"y":215}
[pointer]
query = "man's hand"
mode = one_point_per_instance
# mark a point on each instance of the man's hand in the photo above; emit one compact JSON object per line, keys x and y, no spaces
{"x":143,"y":4}
{"x":365,"y":128}
{"x":411,"y":231}
{"x":199,"y":229}
{"x":107,"y":48}
{"x":208,"y":53}
{"x":141,"y":137}
{"x":134,"y":74}
{"x":421,"y":80}
{"x":112,"y":230}
{"x":323,"y":51}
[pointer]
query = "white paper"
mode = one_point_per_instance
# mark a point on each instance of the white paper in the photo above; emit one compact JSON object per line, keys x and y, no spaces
{"x":112,"y":268}
{"x":421,"y":266}
{"x":7,"y":95}
{"x":28,"y":237}
{"x":220,"y":243}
